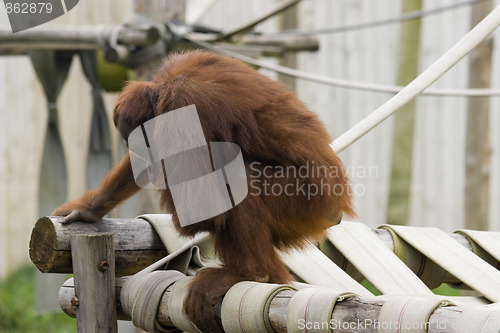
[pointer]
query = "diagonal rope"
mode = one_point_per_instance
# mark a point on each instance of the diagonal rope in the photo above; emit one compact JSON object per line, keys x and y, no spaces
{"x":351,"y":27}
{"x":248,"y":26}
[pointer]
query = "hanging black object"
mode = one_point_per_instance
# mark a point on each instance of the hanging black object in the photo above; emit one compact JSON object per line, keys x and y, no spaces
{"x":52,"y":68}
{"x":99,"y":155}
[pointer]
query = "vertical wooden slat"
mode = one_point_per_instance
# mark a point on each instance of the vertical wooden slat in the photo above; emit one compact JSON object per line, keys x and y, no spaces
{"x":399,"y":195}
{"x":477,"y":155}
{"x":288,"y":20}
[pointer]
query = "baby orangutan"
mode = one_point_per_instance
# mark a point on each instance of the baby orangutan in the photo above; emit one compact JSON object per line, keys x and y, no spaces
{"x":277,"y":135}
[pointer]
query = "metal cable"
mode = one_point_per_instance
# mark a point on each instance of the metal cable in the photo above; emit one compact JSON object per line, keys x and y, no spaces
{"x":341,"y":83}
{"x":351,"y":27}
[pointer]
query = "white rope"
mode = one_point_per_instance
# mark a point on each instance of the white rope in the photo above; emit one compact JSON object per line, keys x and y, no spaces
{"x":391,"y":89}
{"x":424,"y":80}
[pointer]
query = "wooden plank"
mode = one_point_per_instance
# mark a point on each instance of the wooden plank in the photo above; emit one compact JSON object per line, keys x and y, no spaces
{"x":95,"y":299}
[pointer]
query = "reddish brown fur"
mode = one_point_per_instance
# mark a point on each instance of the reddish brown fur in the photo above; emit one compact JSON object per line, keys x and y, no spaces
{"x":235,"y":104}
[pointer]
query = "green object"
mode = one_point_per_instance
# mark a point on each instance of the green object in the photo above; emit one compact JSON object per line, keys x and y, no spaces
{"x":112,"y":76}
{"x":52,"y":68}
{"x":367,"y":284}
{"x":99,"y":156}
{"x":445,"y":290}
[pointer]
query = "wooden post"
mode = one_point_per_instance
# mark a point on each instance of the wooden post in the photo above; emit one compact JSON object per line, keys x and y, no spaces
{"x":477,"y":154}
{"x":94,"y":271}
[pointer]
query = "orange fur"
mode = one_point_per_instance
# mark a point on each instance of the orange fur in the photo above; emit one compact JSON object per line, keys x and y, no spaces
{"x":274,"y":129}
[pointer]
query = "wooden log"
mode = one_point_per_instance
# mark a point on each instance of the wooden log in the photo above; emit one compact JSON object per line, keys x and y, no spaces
{"x":355,"y":314}
{"x":137,"y":245}
{"x":95,"y":298}
{"x":67,"y":292}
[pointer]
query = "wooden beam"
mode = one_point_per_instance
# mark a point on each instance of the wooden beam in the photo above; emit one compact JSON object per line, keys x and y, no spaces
{"x":137,"y":245}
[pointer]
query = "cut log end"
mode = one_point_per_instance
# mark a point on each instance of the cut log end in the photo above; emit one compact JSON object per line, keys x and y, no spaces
{"x":137,"y":245}
{"x":43,"y":244}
